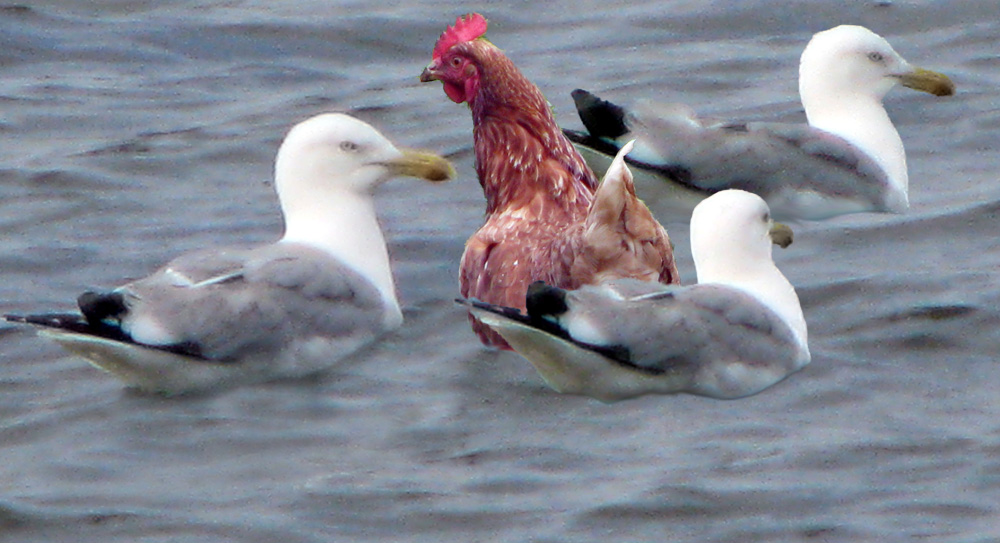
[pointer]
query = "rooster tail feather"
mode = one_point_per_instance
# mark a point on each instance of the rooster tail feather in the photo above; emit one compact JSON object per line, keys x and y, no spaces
{"x":615,"y":192}
{"x":622,"y":234}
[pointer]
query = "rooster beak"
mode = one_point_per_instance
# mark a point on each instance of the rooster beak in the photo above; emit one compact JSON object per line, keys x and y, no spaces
{"x":429,"y":72}
{"x":427,"y":166}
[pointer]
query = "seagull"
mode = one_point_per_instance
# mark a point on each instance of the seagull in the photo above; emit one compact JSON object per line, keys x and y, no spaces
{"x":849,"y":158}
{"x":738,"y":331}
{"x":220,"y":317}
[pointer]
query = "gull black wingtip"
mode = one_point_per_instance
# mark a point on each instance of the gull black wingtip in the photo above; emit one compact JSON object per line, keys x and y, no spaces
{"x":97,"y":306}
{"x":70,"y":322}
{"x":51,"y":320}
{"x":503,"y":311}
{"x":543,"y":299}
{"x":602,"y":118}
{"x":472,"y":302}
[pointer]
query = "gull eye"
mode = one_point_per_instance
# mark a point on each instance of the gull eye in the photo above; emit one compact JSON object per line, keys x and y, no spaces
{"x":875,"y":56}
{"x":767,"y":217}
{"x":348,"y":146}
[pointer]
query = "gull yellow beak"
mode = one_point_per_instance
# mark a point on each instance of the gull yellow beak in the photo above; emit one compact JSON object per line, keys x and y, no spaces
{"x":781,"y":235}
{"x":427,"y":166}
{"x":928,"y":81}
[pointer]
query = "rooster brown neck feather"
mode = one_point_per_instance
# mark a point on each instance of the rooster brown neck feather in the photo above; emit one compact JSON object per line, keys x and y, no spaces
{"x":517,"y":137}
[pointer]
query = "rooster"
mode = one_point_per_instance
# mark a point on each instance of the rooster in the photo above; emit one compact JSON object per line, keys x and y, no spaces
{"x":546,"y":218}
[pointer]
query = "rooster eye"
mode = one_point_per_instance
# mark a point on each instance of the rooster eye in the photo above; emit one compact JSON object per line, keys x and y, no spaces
{"x":875,"y":56}
{"x":456,"y":62}
{"x":348,"y":146}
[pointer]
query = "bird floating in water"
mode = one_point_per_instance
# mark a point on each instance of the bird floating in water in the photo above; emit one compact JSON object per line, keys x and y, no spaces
{"x":737,"y":332}
{"x":848,"y":159}
{"x":546,"y":218}
{"x":219,"y":317}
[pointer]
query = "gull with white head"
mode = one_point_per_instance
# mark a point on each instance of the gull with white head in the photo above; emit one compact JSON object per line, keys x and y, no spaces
{"x":737,"y":332}
{"x":219,"y":317}
{"x":848,"y":159}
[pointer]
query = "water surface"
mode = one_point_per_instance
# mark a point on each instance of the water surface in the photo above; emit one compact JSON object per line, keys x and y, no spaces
{"x":136,"y":130}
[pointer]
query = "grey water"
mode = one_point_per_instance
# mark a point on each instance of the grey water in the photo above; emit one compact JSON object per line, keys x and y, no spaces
{"x":134,"y":130}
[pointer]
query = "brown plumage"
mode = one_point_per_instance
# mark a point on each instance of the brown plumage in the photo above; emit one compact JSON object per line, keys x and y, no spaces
{"x":543,"y":218}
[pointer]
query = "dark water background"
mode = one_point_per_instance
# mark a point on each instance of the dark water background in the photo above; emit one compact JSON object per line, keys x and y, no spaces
{"x":135,"y":130}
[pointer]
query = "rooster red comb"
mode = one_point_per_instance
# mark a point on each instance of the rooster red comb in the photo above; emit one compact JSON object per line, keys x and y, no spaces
{"x":466,"y":28}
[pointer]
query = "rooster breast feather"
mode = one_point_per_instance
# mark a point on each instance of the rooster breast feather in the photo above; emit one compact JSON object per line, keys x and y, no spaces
{"x":510,"y":252}
{"x":545,"y":222}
